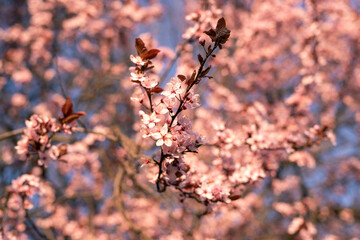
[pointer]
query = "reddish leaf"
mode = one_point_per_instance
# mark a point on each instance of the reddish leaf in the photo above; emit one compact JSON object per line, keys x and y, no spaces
{"x":181,"y":77}
{"x":235,"y":196}
{"x":206,"y":71}
{"x":140,"y":46}
{"x":81,"y":113}
{"x":73,"y":117}
{"x":67,"y":108}
{"x":149,"y":54}
{"x":211,"y":33}
{"x":157,"y":90}
{"x":220,"y":24}
{"x":221,"y":34}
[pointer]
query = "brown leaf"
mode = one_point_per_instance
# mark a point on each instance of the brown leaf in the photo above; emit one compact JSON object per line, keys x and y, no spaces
{"x":221,"y":34}
{"x":149,"y":54}
{"x":140,"y":46}
{"x":157,"y":90}
{"x":181,"y":77}
{"x":235,"y":196}
{"x":206,"y":71}
{"x":72,"y":117}
{"x":211,"y":33}
{"x":220,"y":25}
{"x":67,"y":108}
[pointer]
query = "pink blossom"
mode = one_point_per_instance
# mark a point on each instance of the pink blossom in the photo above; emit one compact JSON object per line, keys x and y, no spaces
{"x":21,"y":76}
{"x":161,"y":109}
{"x":191,"y":101}
{"x":162,"y":136}
{"x":138,"y":77}
{"x":173,"y":89}
{"x":149,"y":83}
{"x":295,"y":225}
{"x":137,"y":60}
{"x":25,"y":187}
{"x":22,"y":147}
{"x":18,"y":100}
{"x":149,"y":120}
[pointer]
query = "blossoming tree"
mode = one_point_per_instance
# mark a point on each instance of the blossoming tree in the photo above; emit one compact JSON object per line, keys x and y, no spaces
{"x":246,"y":127}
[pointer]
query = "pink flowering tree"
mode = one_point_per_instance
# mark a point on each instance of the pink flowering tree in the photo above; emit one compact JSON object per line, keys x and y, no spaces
{"x":225,"y":119}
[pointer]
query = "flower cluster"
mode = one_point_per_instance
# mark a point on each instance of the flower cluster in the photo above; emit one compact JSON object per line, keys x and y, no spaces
{"x":37,"y":139}
{"x":40,"y":129}
{"x":21,"y":191}
{"x":251,"y":157}
{"x":166,"y":124}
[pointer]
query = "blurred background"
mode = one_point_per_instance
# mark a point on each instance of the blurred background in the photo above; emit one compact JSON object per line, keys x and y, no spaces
{"x":289,"y":65}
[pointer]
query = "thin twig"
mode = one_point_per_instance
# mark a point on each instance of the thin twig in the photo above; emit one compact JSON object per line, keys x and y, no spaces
{"x":11,"y":134}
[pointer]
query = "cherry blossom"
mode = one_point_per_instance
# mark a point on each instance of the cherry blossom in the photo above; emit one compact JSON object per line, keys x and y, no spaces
{"x":226,"y":120}
{"x":162,"y":136}
{"x":151,"y":120}
{"x":137,"y":60}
